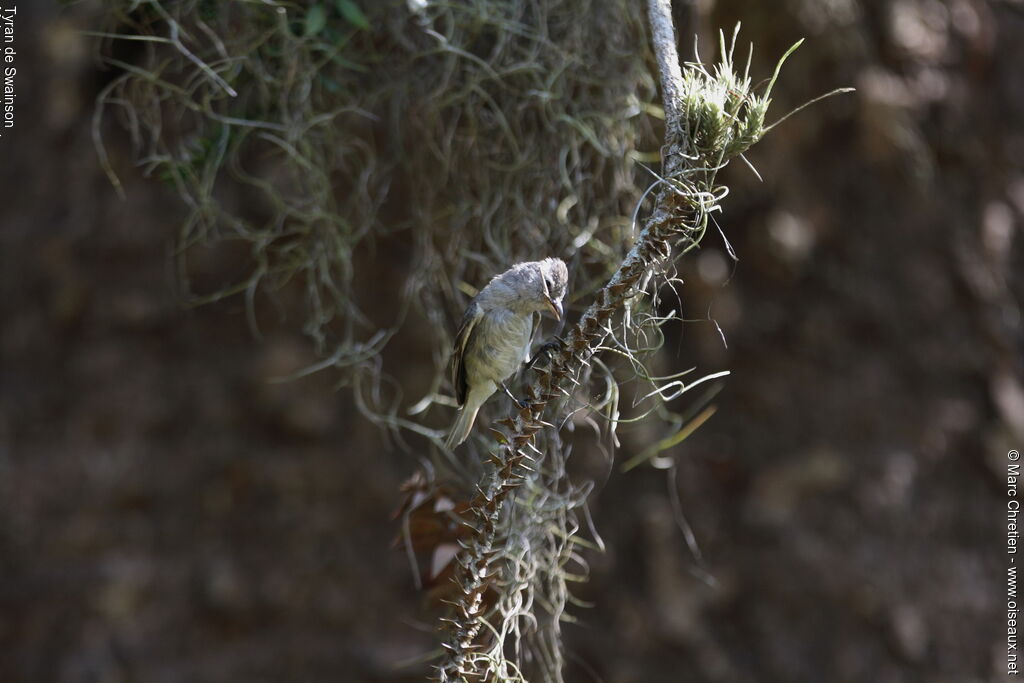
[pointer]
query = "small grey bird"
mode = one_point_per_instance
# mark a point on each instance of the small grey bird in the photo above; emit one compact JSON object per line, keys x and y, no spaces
{"x":495,"y":335}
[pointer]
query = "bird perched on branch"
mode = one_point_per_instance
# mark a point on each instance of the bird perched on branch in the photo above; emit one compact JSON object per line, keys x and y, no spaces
{"x":494,"y":338}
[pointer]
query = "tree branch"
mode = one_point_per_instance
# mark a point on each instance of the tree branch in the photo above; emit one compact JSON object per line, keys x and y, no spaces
{"x":663,"y":38}
{"x":463,"y":660}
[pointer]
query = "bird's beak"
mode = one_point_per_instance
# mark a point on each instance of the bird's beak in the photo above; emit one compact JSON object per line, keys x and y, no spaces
{"x":555,"y":307}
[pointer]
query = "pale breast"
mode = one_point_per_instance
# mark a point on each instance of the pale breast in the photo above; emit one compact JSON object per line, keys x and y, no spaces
{"x":500,"y":342}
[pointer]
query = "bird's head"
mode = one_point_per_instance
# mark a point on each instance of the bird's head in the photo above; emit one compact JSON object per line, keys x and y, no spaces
{"x":540,"y":285}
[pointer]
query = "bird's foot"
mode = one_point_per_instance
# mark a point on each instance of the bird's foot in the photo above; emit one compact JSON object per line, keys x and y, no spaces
{"x":546,"y":349}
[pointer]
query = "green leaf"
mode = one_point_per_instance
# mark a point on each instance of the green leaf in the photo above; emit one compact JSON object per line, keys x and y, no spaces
{"x":350,"y":10}
{"x":316,"y":19}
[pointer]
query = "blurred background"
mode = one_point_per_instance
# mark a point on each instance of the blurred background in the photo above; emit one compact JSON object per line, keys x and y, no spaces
{"x":167,"y":513}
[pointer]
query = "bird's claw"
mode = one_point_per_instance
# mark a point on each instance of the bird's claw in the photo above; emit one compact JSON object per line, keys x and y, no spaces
{"x":545,"y":349}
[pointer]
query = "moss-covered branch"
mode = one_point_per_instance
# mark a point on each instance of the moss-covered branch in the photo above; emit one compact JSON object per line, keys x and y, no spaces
{"x":710,"y":117}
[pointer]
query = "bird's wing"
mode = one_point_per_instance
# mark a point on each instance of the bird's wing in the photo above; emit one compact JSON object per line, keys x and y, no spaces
{"x":473,"y":315}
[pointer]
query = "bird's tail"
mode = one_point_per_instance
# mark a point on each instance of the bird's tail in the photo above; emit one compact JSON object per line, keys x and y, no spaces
{"x":463,"y":425}
{"x":467,"y":416}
